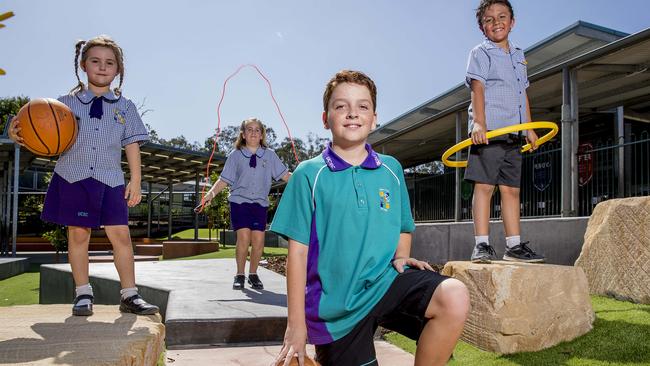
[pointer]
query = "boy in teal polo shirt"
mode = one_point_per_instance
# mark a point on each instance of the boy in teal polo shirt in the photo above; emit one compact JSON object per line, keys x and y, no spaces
{"x":347,"y":216}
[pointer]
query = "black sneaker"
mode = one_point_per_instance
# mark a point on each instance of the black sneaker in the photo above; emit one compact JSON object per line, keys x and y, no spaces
{"x":483,"y":253}
{"x":82,"y":310}
{"x":238,"y":284}
{"x":522,"y":253}
{"x":255,"y":282}
{"x":136,"y":305}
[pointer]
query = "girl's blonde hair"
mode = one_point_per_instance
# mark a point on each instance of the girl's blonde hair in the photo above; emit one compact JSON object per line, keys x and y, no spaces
{"x":241,"y":140}
{"x":103,"y":41}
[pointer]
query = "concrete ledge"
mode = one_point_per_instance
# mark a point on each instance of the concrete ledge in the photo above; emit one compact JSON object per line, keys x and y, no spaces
{"x":559,"y":239}
{"x":50,"y":335}
{"x":10,"y":267}
{"x":195,"y":296}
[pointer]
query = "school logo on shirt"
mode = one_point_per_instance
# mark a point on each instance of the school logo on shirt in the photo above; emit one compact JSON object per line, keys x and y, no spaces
{"x":119,"y":116}
{"x":384,"y":199}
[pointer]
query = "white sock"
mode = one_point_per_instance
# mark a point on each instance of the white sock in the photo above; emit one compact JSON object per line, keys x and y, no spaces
{"x":84,"y":290}
{"x":513,"y":241}
{"x":128,"y":292}
{"x":482,"y":239}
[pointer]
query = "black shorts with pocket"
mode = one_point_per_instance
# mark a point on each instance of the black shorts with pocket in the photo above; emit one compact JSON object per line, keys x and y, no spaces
{"x":401,"y":310}
{"x":497,"y":163}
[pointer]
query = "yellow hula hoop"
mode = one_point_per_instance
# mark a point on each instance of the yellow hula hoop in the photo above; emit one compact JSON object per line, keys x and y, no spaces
{"x":498,"y":132}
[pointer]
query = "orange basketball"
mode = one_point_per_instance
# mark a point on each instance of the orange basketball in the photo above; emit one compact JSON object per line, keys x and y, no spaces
{"x":47,"y":126}
{"x":294,"y":362}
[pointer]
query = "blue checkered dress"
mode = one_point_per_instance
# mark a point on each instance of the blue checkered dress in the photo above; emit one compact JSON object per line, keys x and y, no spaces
{"x":98,"y":150}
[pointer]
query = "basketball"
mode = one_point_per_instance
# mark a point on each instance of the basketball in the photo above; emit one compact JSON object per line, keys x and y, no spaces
{"x":294,"y":362}
{"x":48,"y":127}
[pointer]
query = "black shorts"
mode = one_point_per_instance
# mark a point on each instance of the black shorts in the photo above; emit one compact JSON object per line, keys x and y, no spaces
{"x":401,"y":310}
{"x":498,"y":163}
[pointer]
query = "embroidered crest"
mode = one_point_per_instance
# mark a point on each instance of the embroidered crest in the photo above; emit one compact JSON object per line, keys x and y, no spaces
{"x":384,"y":199}
{"x":119,"y":116}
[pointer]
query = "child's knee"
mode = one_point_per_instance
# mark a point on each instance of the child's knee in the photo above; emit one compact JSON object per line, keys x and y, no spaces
{"x":451,"y":302}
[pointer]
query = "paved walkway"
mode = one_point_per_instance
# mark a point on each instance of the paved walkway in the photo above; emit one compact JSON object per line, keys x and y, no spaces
{"x":387,"y":355}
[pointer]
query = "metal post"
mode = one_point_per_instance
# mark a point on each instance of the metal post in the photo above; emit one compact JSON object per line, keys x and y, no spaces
{"x":4,"y":212}
{"x":14,"y":216}
{"x":149,"y":202}
{"x":169,"y":217}
{"x":620,"y":140}
{"x":566,"y":144}
{"x":575,"y":140}
{"x":197,"y":202}
{"x":457,"y":202}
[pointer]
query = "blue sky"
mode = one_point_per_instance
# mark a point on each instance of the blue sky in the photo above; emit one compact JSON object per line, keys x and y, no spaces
{"x":178,"y":54}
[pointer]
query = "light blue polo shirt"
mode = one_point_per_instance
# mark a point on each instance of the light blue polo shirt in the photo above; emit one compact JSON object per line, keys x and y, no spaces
{"x":97,"y":152}
{"x":504,"y":76}
{"x":351,"y":217}
{"x":252,"y":185}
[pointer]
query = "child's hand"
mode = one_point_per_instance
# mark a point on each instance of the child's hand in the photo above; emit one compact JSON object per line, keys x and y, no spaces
{"x":133,"y":194}
{"x":399,"y":264}
{"x":14,"y":132}
{"x":205,"y":202}
{"x":531,"y":138}
{"x":295,"y":340}
{"x":478,"y":134}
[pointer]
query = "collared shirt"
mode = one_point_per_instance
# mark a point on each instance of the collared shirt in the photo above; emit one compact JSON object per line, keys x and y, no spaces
{"x":505,"y":79}
{"x":252,"y":185}
{"x":97,"y":151}
{"x":351,"y":217}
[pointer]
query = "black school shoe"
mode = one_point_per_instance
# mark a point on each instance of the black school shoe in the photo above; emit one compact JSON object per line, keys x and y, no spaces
{"x":238,"y":284}
{"x":136,"y":305}
{"x":255,"y":282}
{"x":522,"y":253}
{"x":483,"y":253}
{"x":82,"y":310}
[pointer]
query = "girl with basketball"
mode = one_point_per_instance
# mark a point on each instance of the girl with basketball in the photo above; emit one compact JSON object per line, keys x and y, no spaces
{"x":87,"y":189}
{"x":249,"y":170}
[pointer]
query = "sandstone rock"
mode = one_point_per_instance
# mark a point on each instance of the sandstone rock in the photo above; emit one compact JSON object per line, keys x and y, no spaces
{"x":50,"y":335}
{"x":616,"y":252}
{"x":518,"y":307}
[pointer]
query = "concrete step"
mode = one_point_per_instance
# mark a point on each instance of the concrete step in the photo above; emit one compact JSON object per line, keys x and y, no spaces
{"x":196,"y":299}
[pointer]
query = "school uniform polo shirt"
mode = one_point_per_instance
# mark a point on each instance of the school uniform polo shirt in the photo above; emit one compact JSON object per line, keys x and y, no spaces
{"x":248,"y":184}
{"x":97,"y":152}
{"x":351,"y":217}
{"x":504,"y":76}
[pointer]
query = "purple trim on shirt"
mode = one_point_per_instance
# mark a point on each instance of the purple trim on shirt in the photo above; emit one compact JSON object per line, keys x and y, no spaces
{"x":316,"y":327}
{"x":335,"y":163}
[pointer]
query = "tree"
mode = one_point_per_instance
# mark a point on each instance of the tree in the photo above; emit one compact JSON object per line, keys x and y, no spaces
{"x":10,"y":106}
{"x":219,"y":210}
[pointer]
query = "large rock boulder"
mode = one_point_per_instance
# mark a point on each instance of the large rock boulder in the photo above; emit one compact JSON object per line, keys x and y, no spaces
{"x":519,"y":307}
{"x":616,"y":252}
{"x":50,"y":335}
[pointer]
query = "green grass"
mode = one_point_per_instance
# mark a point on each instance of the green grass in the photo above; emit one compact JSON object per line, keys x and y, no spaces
{"x":229,"y":252}
{"x":20,"y":290}
{"x":621,"y":336}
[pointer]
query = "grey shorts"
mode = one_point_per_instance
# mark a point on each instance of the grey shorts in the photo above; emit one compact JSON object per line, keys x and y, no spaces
{"x":498,"y":163}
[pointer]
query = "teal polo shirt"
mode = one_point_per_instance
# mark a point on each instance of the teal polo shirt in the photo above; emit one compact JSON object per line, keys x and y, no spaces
{"x":351,"y":217}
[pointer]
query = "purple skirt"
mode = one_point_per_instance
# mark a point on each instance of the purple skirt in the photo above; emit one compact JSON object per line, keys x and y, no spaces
{"x":86,"y":203}
{"x":248,"y":216}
